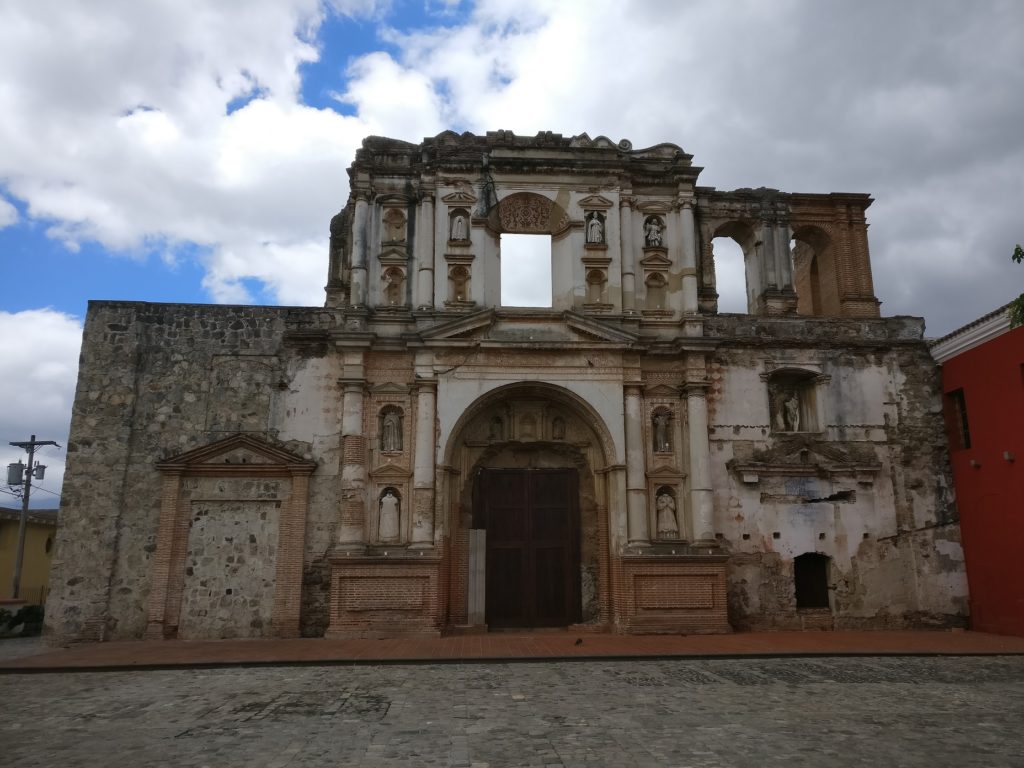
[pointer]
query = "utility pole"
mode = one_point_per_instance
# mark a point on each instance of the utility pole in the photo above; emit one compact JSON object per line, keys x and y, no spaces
{"x":29,"y":472}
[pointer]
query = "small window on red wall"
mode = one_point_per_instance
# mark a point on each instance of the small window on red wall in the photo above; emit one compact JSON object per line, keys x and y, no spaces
{"x":955,"y":411}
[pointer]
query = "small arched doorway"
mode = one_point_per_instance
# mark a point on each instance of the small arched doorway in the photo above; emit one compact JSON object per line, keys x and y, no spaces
{"x":528,"y":512}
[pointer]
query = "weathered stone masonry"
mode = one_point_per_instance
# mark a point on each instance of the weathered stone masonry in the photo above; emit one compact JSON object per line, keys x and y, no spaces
{"x":416,"y":458}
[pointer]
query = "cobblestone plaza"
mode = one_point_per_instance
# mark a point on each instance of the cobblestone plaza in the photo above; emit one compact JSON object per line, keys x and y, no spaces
{"x":834,"y":711}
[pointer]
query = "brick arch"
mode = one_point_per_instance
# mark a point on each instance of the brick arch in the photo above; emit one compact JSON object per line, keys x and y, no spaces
{"x":815,"y":271}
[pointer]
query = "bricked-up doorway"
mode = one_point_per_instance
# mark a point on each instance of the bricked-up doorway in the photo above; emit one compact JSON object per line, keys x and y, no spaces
{"x":532,"y":562}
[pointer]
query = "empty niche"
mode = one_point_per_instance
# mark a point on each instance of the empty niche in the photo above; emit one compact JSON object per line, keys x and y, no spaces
{"x":394,"y":226}
{"x":661,"y":430}
{"x":655,"y":283}
{"x":458,"y":284}
{"x":596,"y":280}
{"x":393,"y":287}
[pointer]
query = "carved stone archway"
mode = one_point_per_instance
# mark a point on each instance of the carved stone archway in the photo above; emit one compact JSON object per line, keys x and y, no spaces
{"x":530,"y":427}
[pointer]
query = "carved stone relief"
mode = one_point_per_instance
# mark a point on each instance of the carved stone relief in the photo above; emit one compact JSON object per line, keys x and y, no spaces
{"x":394,"y":226}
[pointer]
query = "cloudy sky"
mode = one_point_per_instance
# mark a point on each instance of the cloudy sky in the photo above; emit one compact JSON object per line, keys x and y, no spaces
{"x":195,"y":150}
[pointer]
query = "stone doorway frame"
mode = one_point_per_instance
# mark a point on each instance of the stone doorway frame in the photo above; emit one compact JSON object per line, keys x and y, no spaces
{"x":459,"y":492}
{"x":238,"y":456}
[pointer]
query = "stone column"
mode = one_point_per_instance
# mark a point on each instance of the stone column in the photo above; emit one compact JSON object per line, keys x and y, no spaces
{"x":423,"y":468}
{"x":359,"y":235}
{"x":352,"y":530}
{"x":425,"y":254}
{"x":783,"y":257}
{"x":628,"y":254}
{"x":700,"y":463}
{"x":689,"y":255}
{"x":636,"y":489}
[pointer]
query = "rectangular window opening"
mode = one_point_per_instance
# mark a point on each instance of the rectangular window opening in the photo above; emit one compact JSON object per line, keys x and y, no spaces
{"x":526,"y":270}
{"x":957,"y":428}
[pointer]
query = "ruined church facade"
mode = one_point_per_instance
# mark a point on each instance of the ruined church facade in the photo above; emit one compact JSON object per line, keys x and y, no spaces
{"x":416,"y":458}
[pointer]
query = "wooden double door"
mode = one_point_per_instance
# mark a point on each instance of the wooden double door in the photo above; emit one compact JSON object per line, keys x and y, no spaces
{"x":533,"y":554}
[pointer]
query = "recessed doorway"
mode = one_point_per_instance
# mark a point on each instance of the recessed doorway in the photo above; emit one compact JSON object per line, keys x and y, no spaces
{"x":532,"y":560}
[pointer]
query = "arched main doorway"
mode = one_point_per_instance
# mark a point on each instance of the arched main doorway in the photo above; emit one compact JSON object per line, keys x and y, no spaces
{"x":527,"y":488}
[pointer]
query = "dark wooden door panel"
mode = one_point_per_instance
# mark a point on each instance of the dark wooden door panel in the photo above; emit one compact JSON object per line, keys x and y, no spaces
{"x":532,"y":547}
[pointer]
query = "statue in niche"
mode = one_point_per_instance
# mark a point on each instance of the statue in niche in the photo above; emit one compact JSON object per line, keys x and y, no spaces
{"x":667,"y":525}
{"x":391,"y":432}
{"x":558,"y":428}
{"x":662,"y":434}
{"x":458,"y":227}
{"x":394,"y":226}
{"x":791,"y":411}
{"x":652,"y":232}
{"x":496,"y":429}
{"x":387,"y":523}
{"x":595,"y":228}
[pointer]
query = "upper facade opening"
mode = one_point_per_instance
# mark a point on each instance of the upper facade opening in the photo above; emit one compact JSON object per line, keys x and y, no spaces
{"x":632,"y":237}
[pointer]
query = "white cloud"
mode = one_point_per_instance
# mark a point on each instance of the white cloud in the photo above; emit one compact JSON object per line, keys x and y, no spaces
{"x":148,"y":124}
{"x":8,"y":214}
{"x":38,"y":371}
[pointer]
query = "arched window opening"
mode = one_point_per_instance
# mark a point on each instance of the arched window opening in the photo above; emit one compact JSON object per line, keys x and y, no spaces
{"x":810,"y":577}
{"x":526,"y":270}
{"x":733,"y":249}
{"x":814,"y":273}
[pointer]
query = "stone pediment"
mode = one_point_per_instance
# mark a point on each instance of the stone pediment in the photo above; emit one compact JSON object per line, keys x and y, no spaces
{"x":528,"y":329}
{"x":462,"y":328}
{"x":387,"y":472}
{"x":393,"y":255}
{"x":458,"y":198}
{"x":389,"y":388}
{"x":662,"y":390}
{"x":596,"y":202}
{"x":238,"y":454}
{"x":656,"y":258}
{"x":808,"y":457}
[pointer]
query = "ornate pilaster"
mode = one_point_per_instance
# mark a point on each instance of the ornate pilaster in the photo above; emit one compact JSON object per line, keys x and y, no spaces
{"x":425,"y":254}
{"x":628,"y":254}
{"x":689,"y":257}
{"x":352,"y":530}
{"x":359,"y":234}
{"x":700,"y":462}
{"x":636,"y":493}
{"x":423,"y":468}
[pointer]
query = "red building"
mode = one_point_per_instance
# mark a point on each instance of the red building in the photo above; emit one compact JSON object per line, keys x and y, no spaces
{"x":983,"y":392}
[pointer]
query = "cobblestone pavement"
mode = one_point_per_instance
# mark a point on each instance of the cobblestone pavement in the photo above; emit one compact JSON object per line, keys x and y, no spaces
{"x":865,"y":711}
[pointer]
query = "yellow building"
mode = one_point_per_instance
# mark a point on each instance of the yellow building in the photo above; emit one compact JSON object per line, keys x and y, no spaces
{"x":39,"y":536}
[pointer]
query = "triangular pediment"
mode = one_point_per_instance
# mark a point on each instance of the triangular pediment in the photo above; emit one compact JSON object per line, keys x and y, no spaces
{"x":662,"y":390}
{"x":390,"y":472}
{"x":595,"y":201}
{"x":596,"y":329}
{"x":458,"y":198}
{"x":465,"y":326}
{"x":656,"y":259}
{"x":393,"y":256}
{"x":236,"y":452}
{"x":390,"y":388}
